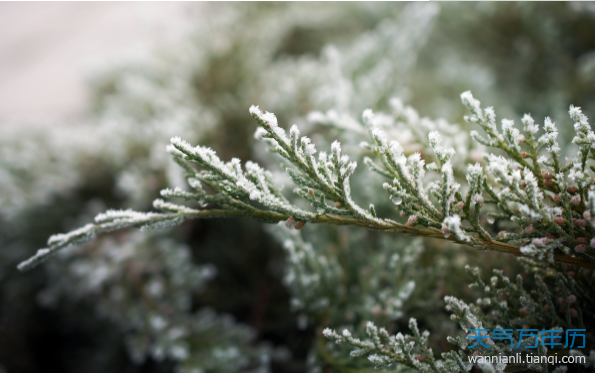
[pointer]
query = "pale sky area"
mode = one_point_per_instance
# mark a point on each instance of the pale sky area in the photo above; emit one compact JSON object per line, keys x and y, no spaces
{"x":46,"y":49}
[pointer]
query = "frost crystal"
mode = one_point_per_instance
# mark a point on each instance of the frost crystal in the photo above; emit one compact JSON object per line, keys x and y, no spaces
{"x":434,"y":138}
{"x":529,"y":125}
{"x":453,"y":225}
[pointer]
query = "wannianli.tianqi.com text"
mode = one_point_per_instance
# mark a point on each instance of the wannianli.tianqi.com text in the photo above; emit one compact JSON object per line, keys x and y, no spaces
{"x":527,"y":359}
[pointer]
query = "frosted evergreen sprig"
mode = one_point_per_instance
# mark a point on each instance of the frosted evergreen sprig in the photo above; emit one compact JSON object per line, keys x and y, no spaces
{"x":584,"y":137}
{"x":146,"y":288}
{"x":384,"y":350}
{"x":522,"y":189}
{"x":315,"y":280}
{"x":324,"y":181}
{"x":321,"y":281}
{"x":503,"y":304}
{"x":510,"y":304}
{"x":550,"y":210}
{"x":507,"y":303}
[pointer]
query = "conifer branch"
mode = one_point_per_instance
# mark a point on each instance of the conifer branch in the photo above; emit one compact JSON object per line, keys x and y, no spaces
{"x":547,"y":229}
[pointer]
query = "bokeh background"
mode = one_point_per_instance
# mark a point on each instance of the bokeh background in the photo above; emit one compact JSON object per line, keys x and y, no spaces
{"x":91,"y":93}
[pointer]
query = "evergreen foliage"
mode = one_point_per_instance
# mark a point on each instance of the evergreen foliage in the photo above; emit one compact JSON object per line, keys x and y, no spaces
{"x":373,"y":214}
{"x":549,"y":229}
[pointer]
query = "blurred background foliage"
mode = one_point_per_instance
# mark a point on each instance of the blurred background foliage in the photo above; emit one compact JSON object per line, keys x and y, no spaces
{"x":291,"y":59}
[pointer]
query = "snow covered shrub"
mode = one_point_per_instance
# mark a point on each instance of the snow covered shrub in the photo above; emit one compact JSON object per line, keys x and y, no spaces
{"x":147,"y":286}
{"x":549,"y":205}
{"x":350,"y":261}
